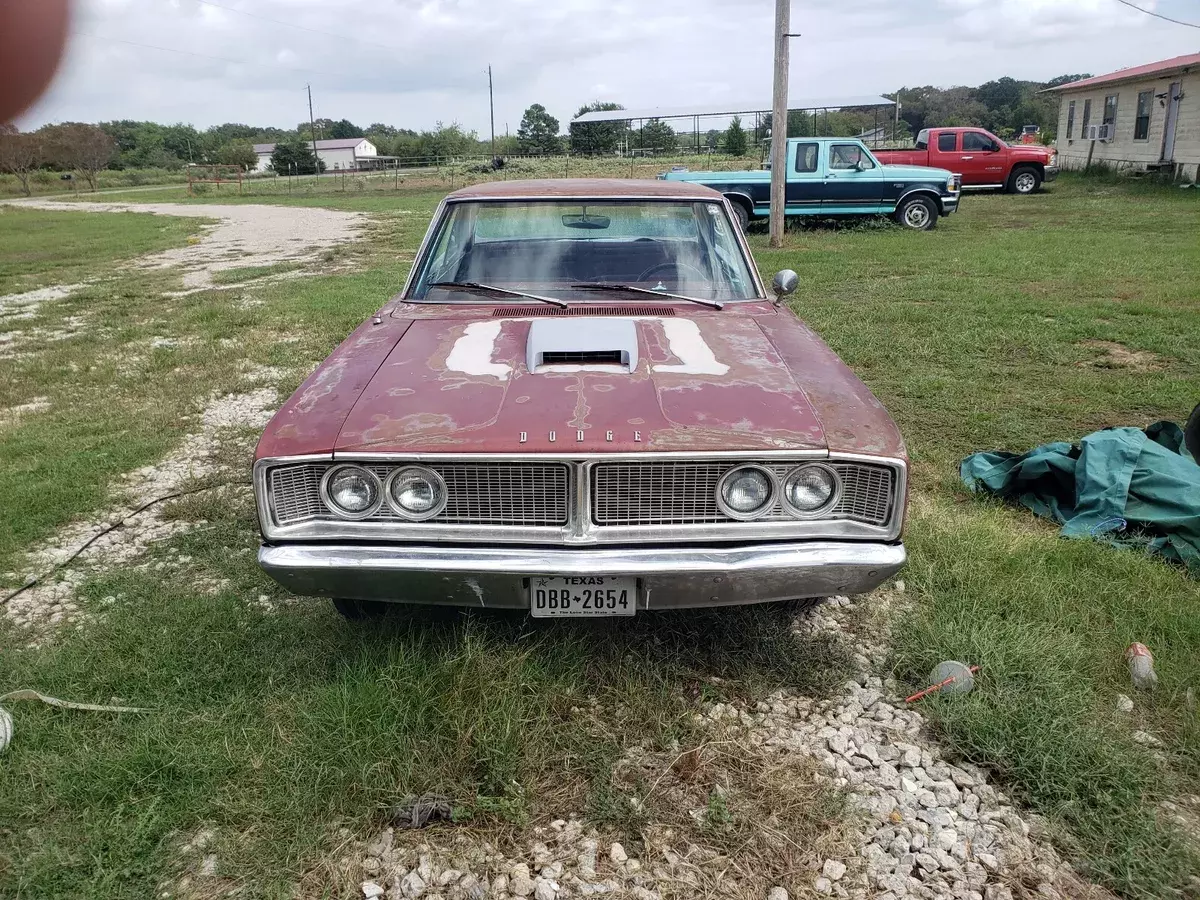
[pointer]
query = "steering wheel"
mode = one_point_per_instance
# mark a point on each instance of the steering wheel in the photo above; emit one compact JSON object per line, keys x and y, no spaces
{"x":678,"y":266}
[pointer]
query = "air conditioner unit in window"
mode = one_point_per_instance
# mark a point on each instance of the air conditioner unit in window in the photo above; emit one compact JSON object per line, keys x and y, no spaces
{"x":1091,"y":133}
{"x":1106,"y":132}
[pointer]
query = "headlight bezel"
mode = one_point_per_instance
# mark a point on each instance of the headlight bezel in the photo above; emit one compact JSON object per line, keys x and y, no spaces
{"x":773,"y":489}
{"x":341,"y":512}
{"x":820,"y":511}
{"x":403,"y":512}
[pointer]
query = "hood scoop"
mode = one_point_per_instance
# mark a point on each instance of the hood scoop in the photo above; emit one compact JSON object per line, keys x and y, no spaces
{"x":605,"y":345}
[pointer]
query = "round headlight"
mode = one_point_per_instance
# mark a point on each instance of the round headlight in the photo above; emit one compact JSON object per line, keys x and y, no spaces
{"x":351,"y":491}
{"x":810,"y":490}
{"x":745,"y":493}
{"x":416,"y":493}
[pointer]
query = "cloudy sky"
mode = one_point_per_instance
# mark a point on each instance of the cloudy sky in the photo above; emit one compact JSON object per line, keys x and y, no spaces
{"x":411,"y":63}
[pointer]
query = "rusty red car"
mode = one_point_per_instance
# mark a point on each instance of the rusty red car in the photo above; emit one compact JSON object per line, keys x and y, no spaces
{"x":583,"y":402}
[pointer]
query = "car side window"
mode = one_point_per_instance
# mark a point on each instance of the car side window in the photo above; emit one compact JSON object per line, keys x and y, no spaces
{"x":977,"y":140}
{"x":946,"y":141}
{"x":923,"y":139}
{"x":848,"y":156}
{"x":806,"y":158}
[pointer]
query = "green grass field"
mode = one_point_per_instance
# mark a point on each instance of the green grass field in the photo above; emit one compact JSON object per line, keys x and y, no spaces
{"x":1009,"y":326}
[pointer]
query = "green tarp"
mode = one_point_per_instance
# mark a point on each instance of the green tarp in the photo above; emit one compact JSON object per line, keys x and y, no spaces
{"x":1123,"y":485}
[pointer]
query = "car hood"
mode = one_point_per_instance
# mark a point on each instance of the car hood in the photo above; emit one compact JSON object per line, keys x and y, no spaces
{"x":708,"y":382}
{"x":915,"y":173}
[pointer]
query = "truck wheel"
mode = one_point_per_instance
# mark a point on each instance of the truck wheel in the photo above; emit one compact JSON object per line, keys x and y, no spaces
{"x":741,"y":214}
{"x":361,"y":609}
{"x":1024,"y":180}
{"x":918,"y":213}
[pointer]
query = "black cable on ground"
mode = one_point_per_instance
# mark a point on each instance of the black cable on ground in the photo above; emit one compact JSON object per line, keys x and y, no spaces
{"x":110,"y":529}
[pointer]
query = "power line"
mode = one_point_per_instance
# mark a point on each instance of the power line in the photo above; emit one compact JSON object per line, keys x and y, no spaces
{"x":344,"y":37}
{"x":1151,"y":12}
{"x":236,"y":62}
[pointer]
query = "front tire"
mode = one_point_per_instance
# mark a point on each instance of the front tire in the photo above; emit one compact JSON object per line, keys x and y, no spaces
{"x":918,"y":213}
{"x":1024,"y":180}
{"x":356,"y":610}
{"x":741,"y":214}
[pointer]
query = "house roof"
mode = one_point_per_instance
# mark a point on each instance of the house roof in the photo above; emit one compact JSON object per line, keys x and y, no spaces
{"x":332,"y":144}
{"x":1134,"y":72}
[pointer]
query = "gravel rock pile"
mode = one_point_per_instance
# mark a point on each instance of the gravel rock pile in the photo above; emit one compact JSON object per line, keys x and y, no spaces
{"x":923,"y":827}
{"x":51,"y":603}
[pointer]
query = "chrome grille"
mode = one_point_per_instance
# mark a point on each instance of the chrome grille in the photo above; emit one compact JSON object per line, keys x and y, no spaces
{"x":520,"y":494}
{"x":684,"y":493}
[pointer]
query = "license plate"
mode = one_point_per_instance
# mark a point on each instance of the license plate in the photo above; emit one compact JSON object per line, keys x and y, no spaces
{"x":582,"y":595}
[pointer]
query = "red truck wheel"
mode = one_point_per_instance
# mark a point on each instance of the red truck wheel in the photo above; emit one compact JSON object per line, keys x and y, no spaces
{"x":1024,"y":180}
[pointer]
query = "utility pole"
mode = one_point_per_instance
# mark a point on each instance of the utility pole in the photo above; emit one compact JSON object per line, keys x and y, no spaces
{"x":313,"y":126}
{"x":779,"y":122}
{"x":492,"y":108}
{"x":896,"y":124}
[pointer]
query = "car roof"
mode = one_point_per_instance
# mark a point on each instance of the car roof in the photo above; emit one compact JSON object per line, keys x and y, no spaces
{"x":584,"y":188}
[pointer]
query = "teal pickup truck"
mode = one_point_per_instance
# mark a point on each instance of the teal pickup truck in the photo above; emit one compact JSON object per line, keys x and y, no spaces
{"x":838,"y":177}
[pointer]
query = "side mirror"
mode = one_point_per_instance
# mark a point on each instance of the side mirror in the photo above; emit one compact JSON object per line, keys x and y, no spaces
{"x":784,"y":283}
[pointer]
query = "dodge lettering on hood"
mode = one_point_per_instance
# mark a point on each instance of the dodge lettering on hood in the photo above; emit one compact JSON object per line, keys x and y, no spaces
{"x":584,"y":402}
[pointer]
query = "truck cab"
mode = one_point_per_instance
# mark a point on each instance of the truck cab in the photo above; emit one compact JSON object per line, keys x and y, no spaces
{"x":981,"y":158}
{"x":838,"y":177}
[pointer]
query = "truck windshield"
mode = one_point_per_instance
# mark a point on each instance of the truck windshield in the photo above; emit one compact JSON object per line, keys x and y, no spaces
{"x":552,"y":246}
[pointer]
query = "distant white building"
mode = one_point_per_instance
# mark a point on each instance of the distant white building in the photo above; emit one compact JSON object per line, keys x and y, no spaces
{"x":338,"y":154}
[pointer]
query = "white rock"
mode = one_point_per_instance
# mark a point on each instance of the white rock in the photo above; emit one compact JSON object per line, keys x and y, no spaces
{"x":822,"y":885}
{"x":777,"y":893}
{"x":617,"y":854}
{"x":1124,"y":704}
{"x":371,"y":890}
{"x":519,"y":882}
{"x":545,"y":890}
{"x":833,"y":869}
{"x":412,"y":886}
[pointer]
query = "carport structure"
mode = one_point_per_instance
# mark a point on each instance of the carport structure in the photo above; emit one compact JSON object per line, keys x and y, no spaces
{"x":815,"y":105}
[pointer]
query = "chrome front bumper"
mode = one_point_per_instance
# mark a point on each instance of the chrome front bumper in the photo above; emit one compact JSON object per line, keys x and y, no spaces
{"x":668,"y":577}
{"x":1051,"y":173}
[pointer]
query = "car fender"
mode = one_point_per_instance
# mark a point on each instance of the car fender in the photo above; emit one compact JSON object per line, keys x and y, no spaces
{"x":740,"y":197}
{"x":921,"y":189}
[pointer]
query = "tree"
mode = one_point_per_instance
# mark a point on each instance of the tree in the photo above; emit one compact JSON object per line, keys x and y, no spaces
{"x":735,"y":138}
{"x":20,"y":153}
{"x":238,"y":153}
{"x":85,"y":148}
{"x":595,"y":138}
{"x":295,"y":157}
{"x":658,"y":136}
{"x":344,"y":128}
{"x":538,"y":132}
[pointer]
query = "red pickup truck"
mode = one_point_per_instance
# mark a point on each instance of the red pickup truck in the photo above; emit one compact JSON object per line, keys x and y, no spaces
{"x":983,"y":160}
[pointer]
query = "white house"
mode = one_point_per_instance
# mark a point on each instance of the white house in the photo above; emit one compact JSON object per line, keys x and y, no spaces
{"x":1141,"y":118}
{"x":338,"y":154}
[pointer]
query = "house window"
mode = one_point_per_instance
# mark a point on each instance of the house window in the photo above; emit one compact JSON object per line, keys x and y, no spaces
{"x":1087,"y":118}
{"x":1141,"y":126}
{"x":1110,"y":114}
{"x":1070,"y":120}
{"x":946,"y":141}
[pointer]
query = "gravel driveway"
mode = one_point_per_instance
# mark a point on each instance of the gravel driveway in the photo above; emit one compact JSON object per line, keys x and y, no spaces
{"x":244,"y":235}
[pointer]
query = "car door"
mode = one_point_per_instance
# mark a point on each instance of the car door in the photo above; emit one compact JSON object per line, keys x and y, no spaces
{"x":853,"y":183}
{"x":983,"y":158}
{"x":804,"y":181}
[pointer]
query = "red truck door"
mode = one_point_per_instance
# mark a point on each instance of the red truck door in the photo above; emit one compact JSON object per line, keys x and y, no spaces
{"x":983,"y":157}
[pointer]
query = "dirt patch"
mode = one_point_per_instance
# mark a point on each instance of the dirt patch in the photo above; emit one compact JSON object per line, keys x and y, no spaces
{"x":13,"y":414}
{"x":123,"y":533}
{"x":244,"y":236}
{"x":24,"y":306}
{"x":1112,"y":355}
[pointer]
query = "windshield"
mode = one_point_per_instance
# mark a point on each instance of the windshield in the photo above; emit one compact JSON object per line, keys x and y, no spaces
{"x":553,"y":247}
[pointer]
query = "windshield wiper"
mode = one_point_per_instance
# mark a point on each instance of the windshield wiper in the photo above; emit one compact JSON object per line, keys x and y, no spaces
{"x":492,"y":289}
{"x":608,"y":286}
